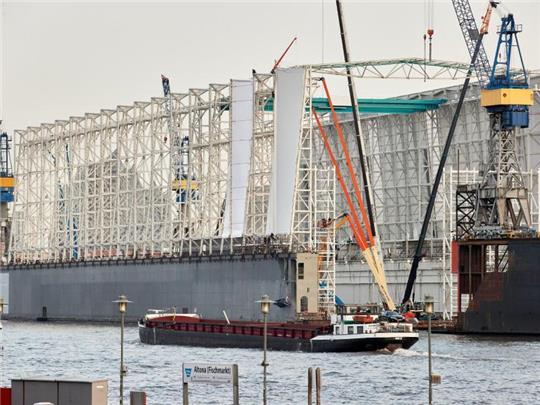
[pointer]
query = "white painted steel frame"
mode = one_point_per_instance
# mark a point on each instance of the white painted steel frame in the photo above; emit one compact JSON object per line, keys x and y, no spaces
{"x":314,"y":201}
{"x":261,"y":156}
{"x":99,"y":186}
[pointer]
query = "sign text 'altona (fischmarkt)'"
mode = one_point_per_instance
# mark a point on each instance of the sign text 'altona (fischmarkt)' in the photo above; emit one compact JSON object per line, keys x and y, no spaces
{"x":208,"y":373}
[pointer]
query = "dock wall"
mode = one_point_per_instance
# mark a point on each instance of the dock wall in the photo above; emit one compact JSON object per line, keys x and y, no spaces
{"x":355,"y":284}
{"x":511,"y":306}
{"x":86,"y":292}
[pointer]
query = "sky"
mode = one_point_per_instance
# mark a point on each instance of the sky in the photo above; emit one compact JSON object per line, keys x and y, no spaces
{"x":66,"y":58}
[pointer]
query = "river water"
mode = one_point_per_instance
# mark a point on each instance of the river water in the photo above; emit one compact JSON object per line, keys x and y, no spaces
{"x":474,"y":370}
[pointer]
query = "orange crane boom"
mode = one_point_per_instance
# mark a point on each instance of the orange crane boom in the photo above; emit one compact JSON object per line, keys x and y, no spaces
{"x":369,"y":253}
{"x":348,"y":160}
{"x":355,"y":222}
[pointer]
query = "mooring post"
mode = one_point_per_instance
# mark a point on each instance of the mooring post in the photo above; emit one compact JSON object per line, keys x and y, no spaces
{"x":137,"y":398}
{"x":318,"y":385}
{"x":185,"y":394}
{"x":236,"y":392}
{"x":309,"y":385}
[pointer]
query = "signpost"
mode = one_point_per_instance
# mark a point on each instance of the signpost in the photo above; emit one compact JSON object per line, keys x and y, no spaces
{"x":210,"y":374}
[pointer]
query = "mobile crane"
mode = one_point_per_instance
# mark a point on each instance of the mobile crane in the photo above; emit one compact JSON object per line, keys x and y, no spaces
{"x":473,"y":39}
{"x":359,"y":224}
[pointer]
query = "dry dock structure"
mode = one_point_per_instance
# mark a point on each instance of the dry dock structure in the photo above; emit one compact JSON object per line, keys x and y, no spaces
{"x":206,"y":199}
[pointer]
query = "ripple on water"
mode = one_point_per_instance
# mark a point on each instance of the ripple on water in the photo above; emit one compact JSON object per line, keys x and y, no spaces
{"x":470,"y":368}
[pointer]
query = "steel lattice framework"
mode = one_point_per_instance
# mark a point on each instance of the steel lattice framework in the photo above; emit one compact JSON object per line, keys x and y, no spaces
{"x":261,"y":156}
{"x":314,"y":199}
{"x":402,"y":68}
{"x":98,"y":187}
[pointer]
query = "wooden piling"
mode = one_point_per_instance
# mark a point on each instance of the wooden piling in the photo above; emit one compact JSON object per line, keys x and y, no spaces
{"x":309,"y":385}
{"x":318,"y":385}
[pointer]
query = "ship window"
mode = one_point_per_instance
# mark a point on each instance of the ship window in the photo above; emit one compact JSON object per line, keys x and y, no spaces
{"x":300,"y":271}
{"x":350,"y":330}
{"x":303,"y":304}
{"x":337,"y":330}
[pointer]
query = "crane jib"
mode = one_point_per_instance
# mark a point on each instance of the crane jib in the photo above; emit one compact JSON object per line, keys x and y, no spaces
{"x":433,"y":195}
{"x":480,"y":64}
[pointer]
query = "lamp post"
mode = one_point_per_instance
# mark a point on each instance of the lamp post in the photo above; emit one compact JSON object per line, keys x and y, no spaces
{"x":265,"y":309}
{"x":122,"y":302}
{"x":428,"y":309}
{"x":2,"y":305}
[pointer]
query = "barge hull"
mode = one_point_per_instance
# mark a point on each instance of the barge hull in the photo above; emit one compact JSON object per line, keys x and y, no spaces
{"x":158,"y":336}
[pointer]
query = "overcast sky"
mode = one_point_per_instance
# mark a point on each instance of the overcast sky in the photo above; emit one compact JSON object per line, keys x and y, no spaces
{"x":61,"y":59}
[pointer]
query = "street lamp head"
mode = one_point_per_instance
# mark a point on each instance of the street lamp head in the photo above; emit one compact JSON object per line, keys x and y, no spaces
{"x":122,"y":302}
{"x":428,"y":304}
{"x":265,"y":302}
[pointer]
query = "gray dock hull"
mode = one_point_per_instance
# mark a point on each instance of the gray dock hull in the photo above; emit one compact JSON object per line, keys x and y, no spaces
{"x":507,"y":302}
{"x":84,"y":292}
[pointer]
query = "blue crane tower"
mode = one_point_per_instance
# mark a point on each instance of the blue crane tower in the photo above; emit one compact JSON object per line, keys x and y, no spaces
{"x":7,"y":188}
{"x":498,"y":206}
{"x":502,"y":204}
{"x":7,"y":181}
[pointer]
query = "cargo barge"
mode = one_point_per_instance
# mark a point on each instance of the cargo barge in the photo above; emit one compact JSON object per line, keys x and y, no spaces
{"x":337,"y":335}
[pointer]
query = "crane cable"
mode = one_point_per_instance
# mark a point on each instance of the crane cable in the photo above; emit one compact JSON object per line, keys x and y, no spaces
{"x":430,"y":14}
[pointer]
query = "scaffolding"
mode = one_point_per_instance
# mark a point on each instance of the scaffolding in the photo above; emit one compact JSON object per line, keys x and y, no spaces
{"x":260,"y":173}
{"x":105,"y":186}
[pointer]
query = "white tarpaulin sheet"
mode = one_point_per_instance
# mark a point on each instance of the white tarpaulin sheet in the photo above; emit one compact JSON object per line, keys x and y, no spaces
{"x":242,"y":130}
{"x":288,"y":112}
